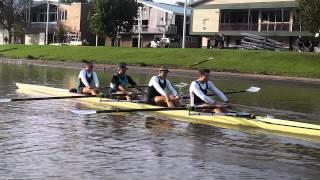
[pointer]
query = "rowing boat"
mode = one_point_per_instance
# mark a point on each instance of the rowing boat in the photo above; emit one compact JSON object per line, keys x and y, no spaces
{"x":265,"y":123}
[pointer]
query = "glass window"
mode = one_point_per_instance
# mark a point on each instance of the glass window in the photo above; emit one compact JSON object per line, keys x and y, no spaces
{"x":265,"y":16}
{"x":254,"y":16}
{"x":272,"y":16}
{"x":278,"y":14}
{"x":286,"y":15}
{"x":34,"y":18}
{"x":42,"y":18}
{"x":52,"y":17}
{"x":145,"y":22}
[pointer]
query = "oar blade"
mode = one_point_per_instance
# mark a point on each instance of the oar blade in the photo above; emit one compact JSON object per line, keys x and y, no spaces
{"x":4,"y":100}
{"x":181,"y":85}
{"x":83,"y":112}
{"x":253,"y":89}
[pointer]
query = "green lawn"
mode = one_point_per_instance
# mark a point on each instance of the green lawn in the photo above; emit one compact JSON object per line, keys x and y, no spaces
{"x":258,"y":62}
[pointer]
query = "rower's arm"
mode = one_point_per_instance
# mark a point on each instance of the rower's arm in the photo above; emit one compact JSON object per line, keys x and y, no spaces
{"x":171,"y":89}
{"x":194,"y":88}
{"x":96,"y":80}
{"x":83,"y":78}
{"x":131,"y":81}
{"x":215,"y":90}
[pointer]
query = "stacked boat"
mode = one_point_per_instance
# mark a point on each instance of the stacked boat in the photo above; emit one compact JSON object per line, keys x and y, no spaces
{"x":255,"y":42}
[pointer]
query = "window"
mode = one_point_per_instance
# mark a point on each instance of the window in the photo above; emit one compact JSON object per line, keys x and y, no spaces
{"x":145,"y":22}
{"x":277,"y":15}
{"x":52,"y":17}
{"x":286,"y":15}
{"x":63,"y":15}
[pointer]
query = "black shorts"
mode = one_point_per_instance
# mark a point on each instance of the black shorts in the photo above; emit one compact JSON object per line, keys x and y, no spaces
{"x":80,"y":90}
{"x":151,"y":101}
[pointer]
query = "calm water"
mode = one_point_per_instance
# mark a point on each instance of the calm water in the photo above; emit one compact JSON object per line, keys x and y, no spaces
{"x":41,"y":139}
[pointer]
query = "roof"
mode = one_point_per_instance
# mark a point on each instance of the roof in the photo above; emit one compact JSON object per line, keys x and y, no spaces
{"x":170,"y":8}
{"x":248,"y":5}
{"x":198,"y":2}
{"x":38,"y":3}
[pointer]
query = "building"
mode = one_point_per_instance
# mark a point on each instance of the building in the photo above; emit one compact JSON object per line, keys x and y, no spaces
{"x":71,"y":18}
{"x":3,"y":35}
{"x":275,"y":19}
{"x":158,"y":20}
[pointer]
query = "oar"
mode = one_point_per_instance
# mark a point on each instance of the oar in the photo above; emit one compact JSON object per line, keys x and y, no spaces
{"x":142,"y":86}
{"x":180,"y":85}
{"x":252,"y":89}
{"x":46,"y":98}
{"x":189,"y":108}
{"x":88,"y":112}
{"x":3,"y":100}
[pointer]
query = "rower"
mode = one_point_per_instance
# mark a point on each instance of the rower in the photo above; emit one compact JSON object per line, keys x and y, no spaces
{"x":160,"y":90}
{"x":120,"y":81}
{"x":88,"y":82}
{"x":199,"y":90}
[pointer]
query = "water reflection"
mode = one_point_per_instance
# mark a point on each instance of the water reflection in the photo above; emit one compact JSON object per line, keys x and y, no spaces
{"x":41,"y":139}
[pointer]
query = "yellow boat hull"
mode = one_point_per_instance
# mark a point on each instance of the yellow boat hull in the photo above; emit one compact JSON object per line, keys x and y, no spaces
{"x":269,"y":124}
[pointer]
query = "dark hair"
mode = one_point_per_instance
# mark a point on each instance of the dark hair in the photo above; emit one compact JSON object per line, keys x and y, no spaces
{"x":203,"y":71}
{"x":122,"y":66}
{"x":87,"y":62}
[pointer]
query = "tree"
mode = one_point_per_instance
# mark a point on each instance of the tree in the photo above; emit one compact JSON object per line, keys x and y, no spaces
{"x":60,"y":34}
{"x":111,"y":17}
{"x":309,"y":14}
{"x":71,"y":1}
{"x":11,"y":15}
{"x":95,"y":17}
{"x":119,"y":17}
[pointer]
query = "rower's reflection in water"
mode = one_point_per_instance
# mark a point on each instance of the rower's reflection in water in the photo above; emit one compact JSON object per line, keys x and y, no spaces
{"x":204,"y":133}
{"x":158,"y":125}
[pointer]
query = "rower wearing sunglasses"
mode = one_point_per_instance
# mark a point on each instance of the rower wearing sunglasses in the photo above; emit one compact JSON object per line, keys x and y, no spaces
{"x":161,"y":91}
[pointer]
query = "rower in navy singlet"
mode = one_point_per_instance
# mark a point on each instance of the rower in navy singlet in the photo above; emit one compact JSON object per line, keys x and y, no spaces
{"x":199,"y":92}
{"x":120,"y":82}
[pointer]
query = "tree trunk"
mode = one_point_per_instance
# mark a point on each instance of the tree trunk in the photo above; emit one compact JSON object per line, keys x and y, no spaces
{"x":10,"y":36}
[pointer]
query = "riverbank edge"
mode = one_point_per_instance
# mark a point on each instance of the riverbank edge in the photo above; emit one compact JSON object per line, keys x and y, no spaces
{"x":153,"y":70}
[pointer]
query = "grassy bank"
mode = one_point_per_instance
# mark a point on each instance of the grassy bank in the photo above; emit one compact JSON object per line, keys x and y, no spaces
{"x":258,"y":62}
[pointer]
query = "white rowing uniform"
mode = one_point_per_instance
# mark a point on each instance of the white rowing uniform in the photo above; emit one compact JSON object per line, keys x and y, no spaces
{"x":199,"y":91}
{"x":86,"y":78}
{"x":159,"y":87}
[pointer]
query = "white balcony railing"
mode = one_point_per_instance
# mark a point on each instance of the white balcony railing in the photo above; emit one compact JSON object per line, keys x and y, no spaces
{"x":43,"y":24}
{"x":171,"y":29}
